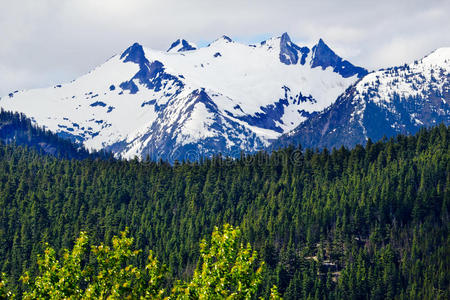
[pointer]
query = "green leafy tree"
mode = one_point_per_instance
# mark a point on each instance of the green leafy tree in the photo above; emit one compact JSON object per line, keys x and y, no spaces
{"x":228,"y":270}
{"x":108,"y":278}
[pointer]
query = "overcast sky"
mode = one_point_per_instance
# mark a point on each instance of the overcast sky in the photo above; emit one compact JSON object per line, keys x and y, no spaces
{"x":44,"y":42}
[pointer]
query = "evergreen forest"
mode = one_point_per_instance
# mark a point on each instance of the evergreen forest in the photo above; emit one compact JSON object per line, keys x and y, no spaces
{"x":370,"y":222}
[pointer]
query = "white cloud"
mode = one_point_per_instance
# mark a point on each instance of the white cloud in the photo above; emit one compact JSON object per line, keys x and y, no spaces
{"x":50,"y":41}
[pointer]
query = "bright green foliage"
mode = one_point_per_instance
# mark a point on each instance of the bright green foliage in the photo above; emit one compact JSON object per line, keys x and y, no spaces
{"x":274,"y":294}
{"x":113,"y":281}
{"x":227,"y":269}
{"x":59,"y":280}
{"x":108,"y":278}
{"x":4,"y":292}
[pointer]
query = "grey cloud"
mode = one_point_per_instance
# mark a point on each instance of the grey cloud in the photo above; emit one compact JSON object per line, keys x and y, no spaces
{"x":49,"y":41}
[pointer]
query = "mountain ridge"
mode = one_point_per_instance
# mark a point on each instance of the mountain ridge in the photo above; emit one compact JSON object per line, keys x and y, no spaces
{"x":242,"y":97}
{"x":383,"y":103}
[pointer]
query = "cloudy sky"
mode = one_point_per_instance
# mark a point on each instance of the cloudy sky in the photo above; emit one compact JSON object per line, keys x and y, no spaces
{"x":52,"y":41}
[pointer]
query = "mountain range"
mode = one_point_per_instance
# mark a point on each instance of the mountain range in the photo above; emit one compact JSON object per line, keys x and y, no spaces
{"x":397,"y":100}
{"x":229,"y":97}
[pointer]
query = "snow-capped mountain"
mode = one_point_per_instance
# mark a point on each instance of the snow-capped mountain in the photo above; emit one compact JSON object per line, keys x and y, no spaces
{"x":191,"y":101}
{"x":181,"y":45}
{"x":383,"y":103}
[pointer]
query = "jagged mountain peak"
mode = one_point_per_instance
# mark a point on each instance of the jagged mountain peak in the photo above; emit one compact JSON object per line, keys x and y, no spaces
{"x":135,"y":53}
{"x":321,"y":44}
{"x":285,"y":37}
{"x":181,"y":45}
{"x":226,"y":38}
{"x":386,"y":102}
{"x":222,"y":40}
{"x":290,"y":53}
{"x":323,"y":56}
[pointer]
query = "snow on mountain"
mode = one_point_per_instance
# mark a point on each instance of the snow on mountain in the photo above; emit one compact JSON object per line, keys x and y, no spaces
{"x":181,"y":45}
{"x":187,"y":102}
{"x":383,"y":103}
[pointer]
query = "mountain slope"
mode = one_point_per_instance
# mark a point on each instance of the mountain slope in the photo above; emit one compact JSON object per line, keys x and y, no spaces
{"x":383,"y":103}
{"x":188,"y":102}
{"x":18,"y":130}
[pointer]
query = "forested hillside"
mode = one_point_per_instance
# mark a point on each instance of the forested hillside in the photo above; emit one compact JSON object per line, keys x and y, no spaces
{"x":366,"y":223}
{"x":16,"y":128}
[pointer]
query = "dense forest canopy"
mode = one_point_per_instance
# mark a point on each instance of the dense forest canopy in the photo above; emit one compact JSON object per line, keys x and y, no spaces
{"x":367,"y":223}
{"x":16,"y":128}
